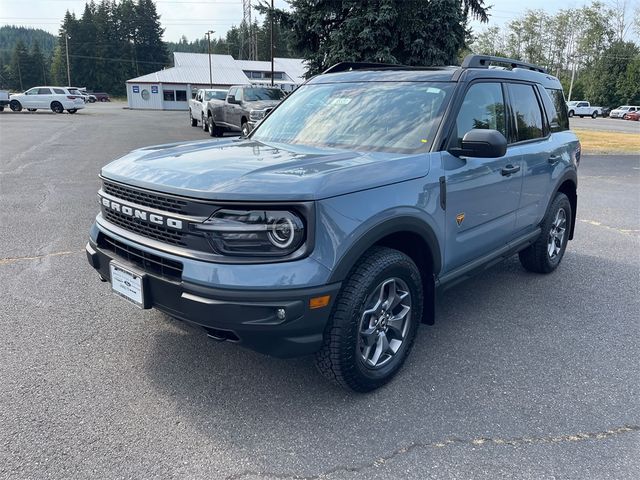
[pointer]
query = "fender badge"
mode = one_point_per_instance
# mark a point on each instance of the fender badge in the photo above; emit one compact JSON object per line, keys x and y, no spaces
{"x":459,"y":218}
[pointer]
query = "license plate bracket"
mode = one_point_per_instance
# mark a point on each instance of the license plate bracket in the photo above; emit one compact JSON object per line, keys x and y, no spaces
{"x":129,"y":284}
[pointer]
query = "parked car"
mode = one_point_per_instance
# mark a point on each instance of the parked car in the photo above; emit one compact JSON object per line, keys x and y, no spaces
{"x":583,"y":109}
{"x":331,"y":227}
{"x":101,"y":96}
{"x":622,"y":110}
{"x":635,"y":116}
{"x":606,"y":111}
{"x":79,"y":92}
{"x":198,"y":105}
{"x":4,"y":99}
{"x":58,"y":99}
{"x":242,"y":109}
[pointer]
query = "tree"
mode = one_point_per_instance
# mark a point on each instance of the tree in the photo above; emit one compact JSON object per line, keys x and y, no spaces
{"x":411,"y":32}
{"x":19,"y":69}
{"x":614,"y":78}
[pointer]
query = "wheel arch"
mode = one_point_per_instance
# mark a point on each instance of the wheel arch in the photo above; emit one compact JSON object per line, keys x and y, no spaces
{"x":568,"y":184}
{"x":409,"y":235}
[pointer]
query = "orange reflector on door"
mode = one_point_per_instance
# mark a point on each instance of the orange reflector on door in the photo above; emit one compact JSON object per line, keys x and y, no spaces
{"x":319,"y":302}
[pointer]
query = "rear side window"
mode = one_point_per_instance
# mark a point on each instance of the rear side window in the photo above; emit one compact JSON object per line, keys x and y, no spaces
{"x":483,"y":107}
{"x":560,"y":108}
{"x":44,"y":91}
{"x":526,"y":110}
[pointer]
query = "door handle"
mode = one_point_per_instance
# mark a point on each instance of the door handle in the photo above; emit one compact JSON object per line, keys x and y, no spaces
{"x":510,"y":170}
{"x":553,"y":159}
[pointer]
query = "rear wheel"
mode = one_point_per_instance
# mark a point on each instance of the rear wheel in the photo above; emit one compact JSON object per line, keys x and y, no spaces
{"x":213,"y":130}
{"x":103,"y":99}
{"x":72,"y":110}
{"x":194,"y":121}
{"x":15,"y":105}
{"x":245,"y":129}
{"x":546,"y":253}
{"x":205,"y":124}
{"x":374,"y":321}
{"x":594,"y":115}
{"x":625,"y":117}
{"x":57,"y":107}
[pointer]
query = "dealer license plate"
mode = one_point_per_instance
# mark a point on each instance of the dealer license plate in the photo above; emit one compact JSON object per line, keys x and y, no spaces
{"x":127,"y":284}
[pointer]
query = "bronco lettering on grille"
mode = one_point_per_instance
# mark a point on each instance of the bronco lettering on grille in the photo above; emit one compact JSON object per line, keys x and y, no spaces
{"x":141,"y":214}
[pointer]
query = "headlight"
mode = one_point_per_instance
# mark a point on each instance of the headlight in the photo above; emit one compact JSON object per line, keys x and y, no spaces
{"x":269,"y":233}
{"x":256,"y":115}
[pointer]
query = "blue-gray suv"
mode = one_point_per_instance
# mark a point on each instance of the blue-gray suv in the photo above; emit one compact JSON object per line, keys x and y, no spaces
{"x":330,"y":228}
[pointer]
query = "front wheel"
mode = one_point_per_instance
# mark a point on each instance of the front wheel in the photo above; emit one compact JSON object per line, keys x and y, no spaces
{"x":374,"y":321}
{"x":72,"y":110}
{"x":571,"y":113}
{"x":205,"y":123}
{"x":15,"y":106}
{"x":245,"y":129}
{"x":546,"y":253}
{"x":194,"y":121}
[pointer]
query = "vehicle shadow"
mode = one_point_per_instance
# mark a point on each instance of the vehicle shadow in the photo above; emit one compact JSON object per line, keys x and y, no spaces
{"x":508,"y":356}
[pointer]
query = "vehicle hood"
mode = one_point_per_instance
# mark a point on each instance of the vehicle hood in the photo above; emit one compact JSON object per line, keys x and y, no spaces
{"x":236,"y":169}
{"x":260,"y":104}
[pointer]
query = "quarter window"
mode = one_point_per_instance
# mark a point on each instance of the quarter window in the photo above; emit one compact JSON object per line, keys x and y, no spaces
{"x":559,"y":107}
{"x":526,"y":110}
{"x":483,"y":107}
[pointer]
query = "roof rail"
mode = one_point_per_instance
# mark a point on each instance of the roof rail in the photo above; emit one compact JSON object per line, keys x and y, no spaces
{"x":347,"y":66}
{"x":483,"y":61}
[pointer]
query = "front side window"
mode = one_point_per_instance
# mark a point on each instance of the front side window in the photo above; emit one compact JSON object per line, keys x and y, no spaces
{"x":526,"y":110}
{"x":255,"y":94}
{"x":482,"y":107}
{"x":364,"y":116}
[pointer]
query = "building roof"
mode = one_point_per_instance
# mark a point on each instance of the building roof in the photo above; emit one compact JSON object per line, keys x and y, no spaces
{"x":194,"y":68}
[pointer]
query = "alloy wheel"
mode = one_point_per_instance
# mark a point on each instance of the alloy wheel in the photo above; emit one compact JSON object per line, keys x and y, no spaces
{"x":557,"y":233}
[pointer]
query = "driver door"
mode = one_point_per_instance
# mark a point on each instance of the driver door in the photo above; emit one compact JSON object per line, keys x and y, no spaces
{"x":482,"y":194}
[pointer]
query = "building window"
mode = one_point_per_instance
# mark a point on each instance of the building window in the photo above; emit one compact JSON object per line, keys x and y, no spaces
{"x":181,"y":95}
{"x":169,"y":95}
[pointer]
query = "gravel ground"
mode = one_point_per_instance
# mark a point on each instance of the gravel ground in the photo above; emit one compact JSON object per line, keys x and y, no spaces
{"x":523,"y":376}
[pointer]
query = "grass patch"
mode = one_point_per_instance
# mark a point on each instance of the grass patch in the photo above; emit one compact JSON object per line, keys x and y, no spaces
{"x":596,"y":141}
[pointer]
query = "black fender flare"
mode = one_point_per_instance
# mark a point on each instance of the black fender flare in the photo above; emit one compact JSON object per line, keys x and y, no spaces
{"x":571,"y":175}
{"x":397,"y":224}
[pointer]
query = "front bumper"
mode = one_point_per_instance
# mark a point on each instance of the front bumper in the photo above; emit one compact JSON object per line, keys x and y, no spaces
{"x":248,"y":317}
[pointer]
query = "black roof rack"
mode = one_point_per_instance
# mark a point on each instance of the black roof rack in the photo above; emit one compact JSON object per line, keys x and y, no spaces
{"x":483,"y":61}
{"x":349,"y":66}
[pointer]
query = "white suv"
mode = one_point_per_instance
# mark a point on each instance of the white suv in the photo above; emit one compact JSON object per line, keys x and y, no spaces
{"x":621,"y":111}
{"x":58,"y":99}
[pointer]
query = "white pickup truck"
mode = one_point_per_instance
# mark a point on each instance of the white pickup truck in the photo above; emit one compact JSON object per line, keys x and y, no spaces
{"x":583,"y":109}
{"x":198,"y":105}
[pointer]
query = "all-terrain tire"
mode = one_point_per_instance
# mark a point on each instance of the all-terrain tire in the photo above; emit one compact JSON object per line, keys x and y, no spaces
{"x":537,"y":257}
{"x":339,"y":358}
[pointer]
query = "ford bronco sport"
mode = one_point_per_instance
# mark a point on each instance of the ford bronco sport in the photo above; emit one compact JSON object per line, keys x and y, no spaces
{"x":329,"y":229}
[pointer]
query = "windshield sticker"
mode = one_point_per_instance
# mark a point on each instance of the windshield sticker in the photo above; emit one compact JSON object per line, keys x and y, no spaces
{"x":340,"y":101}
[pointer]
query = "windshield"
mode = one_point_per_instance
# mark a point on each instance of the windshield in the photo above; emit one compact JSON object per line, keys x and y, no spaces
{"x":215,"y":94}
{"x":623,"y":107}
{"x":255,"y":94}
{"x":371,"y":116}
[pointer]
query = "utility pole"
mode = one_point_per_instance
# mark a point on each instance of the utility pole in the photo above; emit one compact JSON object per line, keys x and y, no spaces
{"x":271,"y":15}
{"x":573,"y":74}
{"x":66,"y":45}
{"x":208,"y":34}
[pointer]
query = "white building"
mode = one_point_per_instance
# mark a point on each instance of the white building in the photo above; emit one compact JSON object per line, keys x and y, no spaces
{"x":170,"y":89}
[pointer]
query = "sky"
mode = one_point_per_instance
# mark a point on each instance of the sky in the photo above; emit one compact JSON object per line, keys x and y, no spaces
{"x":194,"y":17}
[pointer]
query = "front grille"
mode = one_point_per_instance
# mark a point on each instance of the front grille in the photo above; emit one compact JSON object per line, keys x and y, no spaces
{"x":146,"y":198}
{"x":149,"y":230}
{"x":146,"y":261}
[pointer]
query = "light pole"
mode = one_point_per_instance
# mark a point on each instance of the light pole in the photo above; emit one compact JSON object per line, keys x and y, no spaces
{"x":208,"y":34}
{"x":271,"y":42}
{"x":66,"y":47}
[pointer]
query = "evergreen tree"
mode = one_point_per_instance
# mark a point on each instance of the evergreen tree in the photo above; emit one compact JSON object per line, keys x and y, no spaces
{"x":19,"y":68}
{"x":151,"y":52}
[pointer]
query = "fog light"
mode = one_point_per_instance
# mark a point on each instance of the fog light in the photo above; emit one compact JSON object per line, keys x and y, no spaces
{"x":281,"y":314}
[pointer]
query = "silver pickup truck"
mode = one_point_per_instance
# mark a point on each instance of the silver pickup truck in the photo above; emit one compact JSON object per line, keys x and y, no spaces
{"x":242,"y":109}
{"x":4,"y":99}
{"x":198,"y":105}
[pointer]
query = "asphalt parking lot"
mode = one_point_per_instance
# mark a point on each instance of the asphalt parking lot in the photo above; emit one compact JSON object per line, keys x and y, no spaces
{"x":606,"y":124}
{"x":523,"y":376}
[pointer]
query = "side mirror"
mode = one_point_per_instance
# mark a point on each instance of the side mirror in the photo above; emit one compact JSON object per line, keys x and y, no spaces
{"x":231,"y":99}
{"x":481,"y":143}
